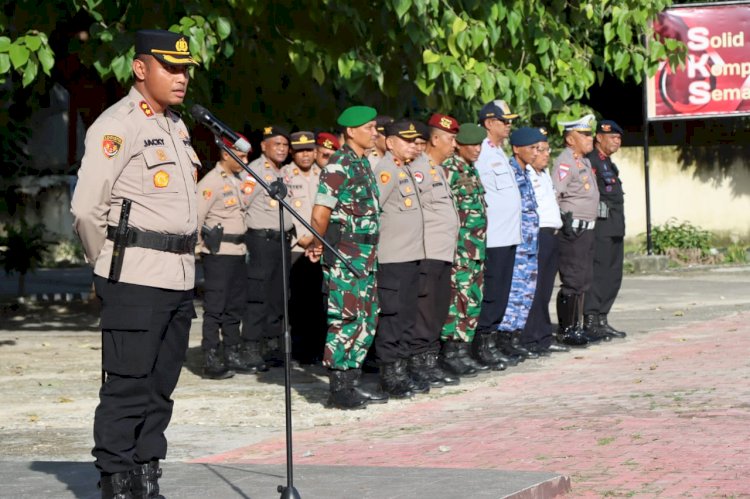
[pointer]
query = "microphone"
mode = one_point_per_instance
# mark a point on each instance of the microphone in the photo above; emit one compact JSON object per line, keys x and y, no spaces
{"x":202,"y":115}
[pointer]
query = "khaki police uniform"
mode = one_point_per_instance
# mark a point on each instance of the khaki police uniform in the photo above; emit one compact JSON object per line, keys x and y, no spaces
{"x":400,"y":250}
{"x":220,"y":202}
{"x":303,"y":187}
{"x":134,"y":153}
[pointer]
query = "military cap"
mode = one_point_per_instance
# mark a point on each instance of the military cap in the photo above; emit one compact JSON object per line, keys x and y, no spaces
{"x":274,"y":131}
{"x":443,"y":122}
{"x":608,"y":126}
{"x":470,"y":134}
{"x":496,"y":109}
{"x":424,"y":130}
{"x":168,"y":47}
{"x":403,"y":129}
{"x":381,"y":121}
{"x":355,"y":116}
{"x":230,"y":144}
{"x":526,"y":136}
{"x":302,"y":141}
{"x":328,"y":140}
{"x":585,"y":124}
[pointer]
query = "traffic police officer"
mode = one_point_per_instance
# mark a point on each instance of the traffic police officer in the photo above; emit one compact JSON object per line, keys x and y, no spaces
{"x":608,"y":232}
{"x":264,"y":313}
{"x":346,"y":211}
{"x":578,"y":197}
{"x":138,"y":155}
{"x":222,"y":247}
{"x":400,"y":250}
{"x":306,"y":278}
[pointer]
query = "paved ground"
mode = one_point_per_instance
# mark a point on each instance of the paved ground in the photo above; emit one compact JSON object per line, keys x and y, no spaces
{"x":664,"y":413}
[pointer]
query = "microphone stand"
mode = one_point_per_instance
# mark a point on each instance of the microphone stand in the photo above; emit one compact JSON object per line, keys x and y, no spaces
{"x":278,"y":191}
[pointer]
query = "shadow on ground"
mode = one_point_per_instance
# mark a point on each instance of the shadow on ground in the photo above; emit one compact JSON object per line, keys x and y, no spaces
{"x":39,"y":316}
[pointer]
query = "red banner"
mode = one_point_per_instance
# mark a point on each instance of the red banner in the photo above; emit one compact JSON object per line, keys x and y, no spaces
{"x":715,"y":80}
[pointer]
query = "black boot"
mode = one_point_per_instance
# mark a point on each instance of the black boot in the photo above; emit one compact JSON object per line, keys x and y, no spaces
{"x":567,"y":333}
{"x":373,"y":395}
{"x":515,"y":343}
{"x":144,"y":481}
{"x":497,"y":352}
{"x":270,"y":349}
{"x":214,"y":366}
{"x":437,"y":373}
{"x":451,"y":361}
{"x":343,"y":395}
{"x":116,"y":486}
{"x":604,"y":325}
{"x":234,"y":360}
{"x":417,"y":385}
{"x":393,"y":380}
{"x":250,"y":356}
{"x":592,"y":331}
{"x":505,"y":344}
{"x":419,"y":371}
{"x":464,"y":353}
{"x":480,"y":351}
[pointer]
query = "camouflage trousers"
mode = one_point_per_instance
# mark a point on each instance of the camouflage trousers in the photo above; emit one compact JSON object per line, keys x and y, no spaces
{"x":467,"y":279}
{"x":523,"y":283}
{"x":352,"y":317}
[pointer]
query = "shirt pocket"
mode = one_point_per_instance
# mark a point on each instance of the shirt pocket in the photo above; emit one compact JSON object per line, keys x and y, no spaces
{"x":408,"y":196}
{"x":503,"y":179}
{"x":161,"y":173}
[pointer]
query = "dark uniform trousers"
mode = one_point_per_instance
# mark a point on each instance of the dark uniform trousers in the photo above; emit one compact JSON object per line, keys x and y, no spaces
{"x":307,"y":310}
{"x":145,"y":334}
{"x":538,"y":330}
{"x":498,"y":277}
{"x":608,"y":260}
{"x":223,"y":299}
{"x":433,"y":303}
{"x":576,"y":261}
{"x":264,"y":312}
{"x":398,"y":290}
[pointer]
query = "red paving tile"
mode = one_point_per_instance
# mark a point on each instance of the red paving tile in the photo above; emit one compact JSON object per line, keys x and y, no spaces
{"x":665,"y":414}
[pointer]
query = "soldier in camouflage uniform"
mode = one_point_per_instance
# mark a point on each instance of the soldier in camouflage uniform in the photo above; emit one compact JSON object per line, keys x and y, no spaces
{"x":467,"y":271}
{"x":346,"y":211}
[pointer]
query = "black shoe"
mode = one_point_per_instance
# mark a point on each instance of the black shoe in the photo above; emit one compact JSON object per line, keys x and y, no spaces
{"x":394,"y":381}
{"x":437,"y":373}
{"x":573,"y":337}
{"x":343,"y":394}
{"x":515,"y":343}
{"x":214,"y":366}
{"x":592,"y":331}
{"x":420,"y":372}
{"x":234,"y":360}
{"x":250,"y":356}
{"x":540,"y":351}
{"x":481,"y":352}
{"x":556,"y":347}
{"x":116,"y":485}
{"x":604,"y":326}
{"x":464,"y":354}
{"x":417,"y":384}
{"x":374,"y":395}
{"x":144,"y":481}
{"x":498,"y":354}
{"x":450,"y":361}
{"x":504,"y":340}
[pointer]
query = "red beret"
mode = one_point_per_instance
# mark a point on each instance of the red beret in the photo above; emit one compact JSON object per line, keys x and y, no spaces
{"x":328,"y":140}
{"x":444,"y":122}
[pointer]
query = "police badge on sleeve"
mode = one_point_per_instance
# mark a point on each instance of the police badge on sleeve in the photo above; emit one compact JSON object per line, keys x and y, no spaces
{"x":111,"y":145}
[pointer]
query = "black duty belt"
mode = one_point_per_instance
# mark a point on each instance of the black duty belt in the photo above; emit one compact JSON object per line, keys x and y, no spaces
{"x":550,"y":230}
{"x":233,"y":238}
{"x":171,"y":243}
{"x":271,"y":234}
{"x":360,"y":238}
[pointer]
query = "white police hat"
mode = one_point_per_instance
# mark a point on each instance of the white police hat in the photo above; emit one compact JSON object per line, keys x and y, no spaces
{"x":585,"y":124}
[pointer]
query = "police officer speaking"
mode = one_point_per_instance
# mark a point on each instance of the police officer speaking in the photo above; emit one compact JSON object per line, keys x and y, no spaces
{"x":135,"y":210}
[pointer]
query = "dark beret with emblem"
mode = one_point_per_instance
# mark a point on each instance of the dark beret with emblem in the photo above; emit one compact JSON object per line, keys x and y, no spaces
{"x":443,"y":122}
{"x":470,"y":134}
{"x":356,"y":116}
{"x":274,"y":131}
{"x":303,"y":141}
{"x":609,"y":126}
{"x":170,"y":48}
{"x":403,"y":129}
{"x":526,"y":136}
{"x":328,"y":140}
{"x":381,"y":121}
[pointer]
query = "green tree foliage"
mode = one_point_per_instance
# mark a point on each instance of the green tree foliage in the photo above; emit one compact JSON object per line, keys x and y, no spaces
{"x":299,"y":62}
{"x":22,"y":249}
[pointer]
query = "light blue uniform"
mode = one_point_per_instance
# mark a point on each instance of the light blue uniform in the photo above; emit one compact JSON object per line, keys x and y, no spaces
{"x":502,"y":196}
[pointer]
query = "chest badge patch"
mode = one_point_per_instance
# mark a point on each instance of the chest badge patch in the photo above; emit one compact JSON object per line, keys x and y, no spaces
{"x":385,"y":177}
{"x":419,"y":177}
{"x":161,"y":179}
{"x":563,"y":171}
{"x":407,"y":202}
{"x":161,"y":154}
{"x":586,"y":186}
{"x":207,"y":194}
{"x":230,"y":201}
{"x":297,"y":203}
{"x":111,"y":145}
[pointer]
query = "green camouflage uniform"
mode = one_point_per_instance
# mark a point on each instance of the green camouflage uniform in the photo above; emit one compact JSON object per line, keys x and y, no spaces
{"x":347,"y":186}
{"x":467,"y":274}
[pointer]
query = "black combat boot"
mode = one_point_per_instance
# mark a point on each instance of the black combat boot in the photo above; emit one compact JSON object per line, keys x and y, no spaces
{"x":451,"y":361}
{"x":270,"y":350}
{"x":567,"y":333}
{"x":116,"y":486}
{"x":515,"y":343}
{"x":417,"y":385}
{"x":504,"y":343}
{"x":437,"y":373}
{"x":497,"y":352}
{"x":374,"y":395}
{"x":419,"y":371}
{"x":604,"y":325}
{"x":343,"y":395}
{"x":144,"y":481}
{"x":464,"y":353}
{"x":592,"y":331}
{"x":250,"y":356}
{"x":481,"y":352}
{"x":393,"y":380}
{"x":235,"y":360}
{"x":214,"y":366}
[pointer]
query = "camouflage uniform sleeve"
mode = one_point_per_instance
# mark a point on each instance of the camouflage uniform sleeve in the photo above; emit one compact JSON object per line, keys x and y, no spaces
{"x":332,"y":178}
